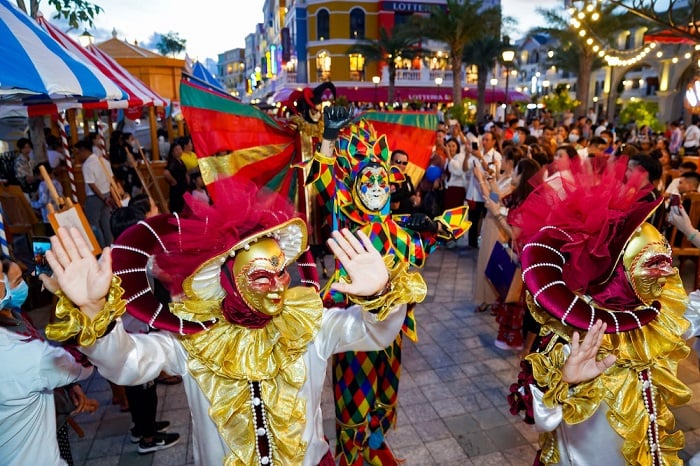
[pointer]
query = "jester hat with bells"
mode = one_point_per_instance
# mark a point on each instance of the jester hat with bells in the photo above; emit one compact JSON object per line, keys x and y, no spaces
{"x":584,"y":240}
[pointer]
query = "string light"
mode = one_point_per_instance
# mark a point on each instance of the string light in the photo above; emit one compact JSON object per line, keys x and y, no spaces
{"x":612,"y":57}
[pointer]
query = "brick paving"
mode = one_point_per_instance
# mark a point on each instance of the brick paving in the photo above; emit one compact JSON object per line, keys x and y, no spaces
{"x":452,"y":408}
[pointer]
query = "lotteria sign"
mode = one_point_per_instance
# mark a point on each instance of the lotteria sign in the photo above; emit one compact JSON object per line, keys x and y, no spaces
{"x":408,"y":7}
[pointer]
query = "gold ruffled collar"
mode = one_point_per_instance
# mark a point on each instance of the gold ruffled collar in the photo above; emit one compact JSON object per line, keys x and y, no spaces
{"x":657,"y":346}
{"x":227,"y":356}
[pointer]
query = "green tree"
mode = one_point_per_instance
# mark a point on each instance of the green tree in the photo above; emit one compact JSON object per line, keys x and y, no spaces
{"x":76,"y":12}
{"x":483,"y":52}
{"x":641,"y":113}
{"x":456,"y":24}
{"x":171,"y":44}
{"x":574,"y":54}
{"x":560,"y":101}
{"x":400,"y":42}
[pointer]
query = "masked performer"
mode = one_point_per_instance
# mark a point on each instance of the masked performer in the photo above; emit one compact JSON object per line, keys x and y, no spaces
{"x":353,"y":176}
{"x":593,"y":266}
{"x":252,"y":351}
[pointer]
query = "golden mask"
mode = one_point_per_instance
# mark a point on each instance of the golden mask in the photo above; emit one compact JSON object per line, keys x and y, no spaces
{"x":647,"y":260}
{"x":261,"y":276}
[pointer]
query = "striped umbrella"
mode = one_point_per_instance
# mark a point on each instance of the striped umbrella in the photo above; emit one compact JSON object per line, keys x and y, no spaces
{"x":138,"y":93}
{"x":34,"y":68}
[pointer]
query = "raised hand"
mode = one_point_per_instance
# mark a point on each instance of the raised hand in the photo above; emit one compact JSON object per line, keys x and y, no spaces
{"x":81,"y":277}
{"x":582,"y":366}
{"x":420,"y":222}
{"x":334,"y":119}
{"x":363,"y":263}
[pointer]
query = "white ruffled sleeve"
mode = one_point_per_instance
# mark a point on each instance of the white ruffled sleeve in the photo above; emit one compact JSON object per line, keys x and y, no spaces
{"x":692,"y":314}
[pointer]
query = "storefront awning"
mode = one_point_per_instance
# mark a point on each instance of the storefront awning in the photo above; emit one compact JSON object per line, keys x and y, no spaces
{"x":424,"y":94}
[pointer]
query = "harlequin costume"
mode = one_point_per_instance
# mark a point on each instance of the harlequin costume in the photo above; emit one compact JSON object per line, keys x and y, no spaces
{"x":590,"y":255}
{"x":354,"y":183}
{"x":252,"y":363}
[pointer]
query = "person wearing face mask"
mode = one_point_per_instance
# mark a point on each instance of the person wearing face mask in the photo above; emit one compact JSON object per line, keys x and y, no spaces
{"x":252,"y":351}
{"x":38,"y":389}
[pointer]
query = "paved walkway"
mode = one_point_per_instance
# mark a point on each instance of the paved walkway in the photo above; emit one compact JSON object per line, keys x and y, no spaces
{"x":452,"y":407}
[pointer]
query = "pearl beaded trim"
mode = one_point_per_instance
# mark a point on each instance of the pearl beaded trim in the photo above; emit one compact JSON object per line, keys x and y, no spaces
{"x":141,"y":222}
{"x":568,"y":310}
{"x":131,"y":248}
{"x":179,"y":230}
{"x":548,"y":285}
{"x":545,"y":246}
{"x":257,"y":405}
{"x":155,"y":315}
{"x":125,"y":271}
{"x":138,"y":295}
{"x":648,"y":392}
{"x":552,"y":227}
{"x":542,"y":264}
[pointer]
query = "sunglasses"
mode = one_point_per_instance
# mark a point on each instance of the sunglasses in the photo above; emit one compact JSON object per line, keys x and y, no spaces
{"x":401,"y":163}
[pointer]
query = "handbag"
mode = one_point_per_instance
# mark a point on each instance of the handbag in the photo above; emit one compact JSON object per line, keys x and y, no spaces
{"x":504,"y":273}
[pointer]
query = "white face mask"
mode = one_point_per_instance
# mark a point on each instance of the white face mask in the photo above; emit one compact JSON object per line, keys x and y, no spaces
{"x":573,"y":137}
{"x":373,"y":188}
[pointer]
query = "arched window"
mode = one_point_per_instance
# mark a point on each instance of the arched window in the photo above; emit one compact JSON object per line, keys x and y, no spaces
{"x":322,"y":25}
{"x":357,"y":24}
{"x":323,"y":66}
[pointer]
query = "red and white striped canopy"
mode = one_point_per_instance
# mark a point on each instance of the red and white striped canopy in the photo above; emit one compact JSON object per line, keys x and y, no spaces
{"x":138,"y":93}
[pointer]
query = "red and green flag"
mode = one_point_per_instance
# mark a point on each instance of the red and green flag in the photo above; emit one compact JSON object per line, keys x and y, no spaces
{"x":414,"y":132}
{"x":234,"y":138}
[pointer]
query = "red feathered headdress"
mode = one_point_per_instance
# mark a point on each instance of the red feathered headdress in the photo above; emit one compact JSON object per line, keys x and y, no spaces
{"x":187,"y":252}
{"x":574,"y":228}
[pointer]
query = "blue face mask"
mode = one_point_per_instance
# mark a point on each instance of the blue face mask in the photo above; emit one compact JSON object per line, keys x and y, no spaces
{"x":14,"y":297}
{"x":516,"y":138}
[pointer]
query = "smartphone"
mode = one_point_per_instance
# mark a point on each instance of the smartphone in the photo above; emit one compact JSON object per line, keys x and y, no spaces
{"x":475,"y":145}
{"x":675,"y":200}
{"x":494,"y":197}
{"x":40,"y":245}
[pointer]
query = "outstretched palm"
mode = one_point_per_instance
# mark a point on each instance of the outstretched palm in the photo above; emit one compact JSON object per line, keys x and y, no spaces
{"x":582,"y":366}
{"x":81,"y":277}
{"x":363,"y":263}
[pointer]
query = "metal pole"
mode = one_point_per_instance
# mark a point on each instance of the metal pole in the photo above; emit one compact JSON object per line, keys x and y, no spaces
{"x":505,"y":111}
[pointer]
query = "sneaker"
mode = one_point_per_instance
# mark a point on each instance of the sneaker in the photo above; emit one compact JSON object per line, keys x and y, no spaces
{"x":161,"y":426}
{"x":159,"y":442}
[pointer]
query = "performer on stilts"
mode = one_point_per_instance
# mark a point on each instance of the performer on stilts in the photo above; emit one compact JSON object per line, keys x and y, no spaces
{"x":353,"y":175}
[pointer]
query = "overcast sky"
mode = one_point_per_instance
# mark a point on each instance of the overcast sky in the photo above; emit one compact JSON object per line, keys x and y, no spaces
{"x":210,"y":31}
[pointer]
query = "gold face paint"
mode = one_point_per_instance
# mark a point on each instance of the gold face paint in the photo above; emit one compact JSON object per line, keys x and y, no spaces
{"x":261,"y":276}
{"x":372,"y":188}
{"x":647,"y":260}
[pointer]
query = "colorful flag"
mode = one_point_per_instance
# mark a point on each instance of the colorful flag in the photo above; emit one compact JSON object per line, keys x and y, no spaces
{"x":414,"y":132}
{"x":234,"y":138}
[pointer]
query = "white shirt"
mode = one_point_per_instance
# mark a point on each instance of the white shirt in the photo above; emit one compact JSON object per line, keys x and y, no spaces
{"x":55,"y":157}
{"x":692,"y":136}
{"x":97,"y":173}
{"x":131,"y":359}
{"x":30,"y":372}
{"x":458,"y":177}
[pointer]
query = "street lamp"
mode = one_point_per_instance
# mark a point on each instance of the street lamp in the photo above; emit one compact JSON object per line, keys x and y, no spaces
{"x":438,"y":83}
{"x":494,"y":83}
{"x":545,"y":85}
{"x":508,"y":56}
{"x":376,"y":80}
{"x":86,"y":38}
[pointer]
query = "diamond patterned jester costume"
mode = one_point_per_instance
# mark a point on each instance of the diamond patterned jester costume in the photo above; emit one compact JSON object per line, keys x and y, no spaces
{"x":352,"y":180}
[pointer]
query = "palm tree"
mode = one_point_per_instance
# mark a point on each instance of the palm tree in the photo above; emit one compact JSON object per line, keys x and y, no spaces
{"x":484,"y":53}
{"x":456,"y":24}
{"x":401,"y":42}
{"x":574,"y":54}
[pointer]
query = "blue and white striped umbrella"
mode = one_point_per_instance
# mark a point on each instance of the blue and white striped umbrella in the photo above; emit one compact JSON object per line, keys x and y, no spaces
{"x":34,"y":68}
